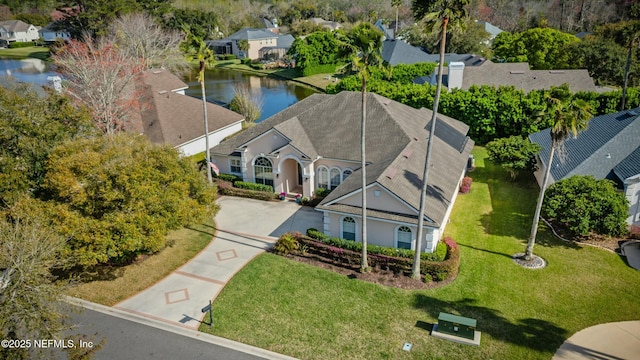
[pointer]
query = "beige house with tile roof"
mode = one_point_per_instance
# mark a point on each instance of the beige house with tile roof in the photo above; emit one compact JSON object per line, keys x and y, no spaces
{"x":315,"y":143}
{"x":169,"y":116}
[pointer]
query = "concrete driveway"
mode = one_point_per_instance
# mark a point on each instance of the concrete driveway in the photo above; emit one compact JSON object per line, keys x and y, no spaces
{"x":245,"y":229}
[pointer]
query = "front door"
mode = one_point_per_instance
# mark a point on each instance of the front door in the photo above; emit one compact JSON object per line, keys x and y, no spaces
{"x":299,"y":175}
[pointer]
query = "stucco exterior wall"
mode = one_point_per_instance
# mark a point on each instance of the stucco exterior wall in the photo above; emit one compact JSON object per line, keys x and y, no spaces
{"x":256,"y":45}
{"x":632,"y":193}
{"x":381,"y":233}
{"x":198,"y":145}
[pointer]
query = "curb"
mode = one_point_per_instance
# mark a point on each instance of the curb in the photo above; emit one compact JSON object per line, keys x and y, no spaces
{"x":248,"y":349}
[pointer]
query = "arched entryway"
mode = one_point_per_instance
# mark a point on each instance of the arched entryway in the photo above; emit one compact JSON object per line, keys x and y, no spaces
{"x":291,"y":174}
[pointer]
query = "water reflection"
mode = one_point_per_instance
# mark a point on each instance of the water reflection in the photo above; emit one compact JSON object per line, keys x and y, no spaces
{"x":275,"y":94}
{"x":33,"y":71}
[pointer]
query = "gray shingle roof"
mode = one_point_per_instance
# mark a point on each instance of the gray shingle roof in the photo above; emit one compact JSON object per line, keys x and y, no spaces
{"x":15,"y":25}
{"x":610,"y":140}
{"x":397,"y":52}
{"x":252,"y":34}
{"x":328,"y":126}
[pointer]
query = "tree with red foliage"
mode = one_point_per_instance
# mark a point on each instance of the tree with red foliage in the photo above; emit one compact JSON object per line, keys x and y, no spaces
{"x":100,"y":77}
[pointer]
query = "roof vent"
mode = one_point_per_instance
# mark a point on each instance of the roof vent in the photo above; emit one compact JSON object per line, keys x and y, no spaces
{"x":157,"y":71}
{"x":407,"y":153}
{"x":516,"y":72}
{"x":632,"y":113}
{"x":162,"y":92}
{"x":391,"y":173}
{"x":556,"y":72}
{"x":608,"y":156}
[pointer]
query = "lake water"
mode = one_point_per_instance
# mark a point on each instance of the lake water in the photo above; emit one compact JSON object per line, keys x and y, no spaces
{"x":276,"y":95}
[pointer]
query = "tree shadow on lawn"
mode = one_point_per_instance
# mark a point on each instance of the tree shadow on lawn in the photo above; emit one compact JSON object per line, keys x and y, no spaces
{"x":535,"y":334}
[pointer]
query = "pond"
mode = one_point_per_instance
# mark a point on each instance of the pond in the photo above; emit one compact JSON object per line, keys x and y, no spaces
{"x":275,"y":95}
{"x":33,"y":71}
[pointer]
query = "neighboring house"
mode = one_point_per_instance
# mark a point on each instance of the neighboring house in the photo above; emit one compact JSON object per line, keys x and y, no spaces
{"x":169,"y":116}
{"x":396,"y":52}
{"x":473,"y":70}
{"x":491,"y":29}
{"x":608,"y":149}
{"x":315,"y":143}
{"x":17,"y":31}
{"x":271,"y":25}
{"x":329,"y":25}
{"x":257,"y":39}
{"x":51,"y":33}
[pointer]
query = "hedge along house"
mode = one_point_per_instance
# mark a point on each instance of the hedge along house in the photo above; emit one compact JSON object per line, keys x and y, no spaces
{"x":608,"y":149}
{"x":315,"y":143}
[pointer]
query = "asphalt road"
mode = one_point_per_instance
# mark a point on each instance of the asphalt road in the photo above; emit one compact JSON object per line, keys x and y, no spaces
{"x":126,"y":339}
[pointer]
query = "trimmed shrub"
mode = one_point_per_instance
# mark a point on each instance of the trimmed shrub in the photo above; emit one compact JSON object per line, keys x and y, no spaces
{"x":229,"y":57}
{"x":246,"y":61}
{"x":322,"y":192}
{"x":226,"y":188}
{"x":253,"y":186}
{"x":229,"y":177}
{"x":584,"y":204}
{"x":18,"y":44}
{"x":465,"y":186}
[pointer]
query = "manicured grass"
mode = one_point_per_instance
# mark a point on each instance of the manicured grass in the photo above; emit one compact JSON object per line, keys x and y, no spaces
{"x":38,"y":52}
{"x":310,"y":313}
{"x":113,"y":285}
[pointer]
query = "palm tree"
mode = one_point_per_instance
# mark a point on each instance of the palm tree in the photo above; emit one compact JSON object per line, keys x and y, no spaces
{"x":363,"y":46}
{"x":631,"y":35}
{"x":440,"y":13}
{"x":196,"y":49}
{"x":568,"y":117}
{"x":396,"y":4}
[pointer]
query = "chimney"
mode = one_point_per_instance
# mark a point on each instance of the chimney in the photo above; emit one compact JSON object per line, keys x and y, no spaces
{"x":456,"y":72}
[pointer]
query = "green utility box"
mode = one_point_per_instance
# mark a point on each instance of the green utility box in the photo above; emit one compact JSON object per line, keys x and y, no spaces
{"x":456,"y":325}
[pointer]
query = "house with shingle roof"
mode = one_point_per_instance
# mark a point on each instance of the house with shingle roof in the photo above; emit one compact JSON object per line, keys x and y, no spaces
{"x":17,"y":31}
{"x":396,"y":52}
{"x":608,"y":149}
{"x":168,"y":116}
{"x":315,"y":143}
{"x":52,"y":33}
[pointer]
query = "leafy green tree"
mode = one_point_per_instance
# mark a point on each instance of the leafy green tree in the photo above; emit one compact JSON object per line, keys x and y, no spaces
{"x":438,"y":14}
{"x":93,"y":17}
{"x":34,"y":19}
{"x":319,"y":48}
{"x":198,"y":23}
{"x":541,"y":48}
{"x":583,"y":204}
{"x":604,"y":59}
{"x":569,"y":116}
{"x":363,"y":44}
{"x":116,"y":197}
{"x":515,"y":154}
{"x":245,"y":103}
{"x":31,"y":125}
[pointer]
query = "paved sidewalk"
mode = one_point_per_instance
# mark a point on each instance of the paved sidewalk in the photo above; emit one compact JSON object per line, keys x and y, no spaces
{"x":245,"y":228}
{"x":612,"y":341}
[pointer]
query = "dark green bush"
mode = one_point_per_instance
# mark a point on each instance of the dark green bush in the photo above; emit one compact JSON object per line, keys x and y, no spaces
{"x":226,"y":188}
{"x":253,"y":186}
{"x":246,"y":61}
{"x":322,"y":192}
{"x":18,"y":44}
{"x":229,"y":57}
{"x":229,"y":177}
{"x":584,"y":204}
{"x":286,"y":244}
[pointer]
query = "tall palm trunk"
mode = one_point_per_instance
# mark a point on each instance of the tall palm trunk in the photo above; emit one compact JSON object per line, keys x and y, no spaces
{"x":395,"y":32}
{"x":625,"y":80}
{"x":536,"y":217}
{"x":206,"y":123}
{"x":364,"y":265}
{"x":415,"y":270}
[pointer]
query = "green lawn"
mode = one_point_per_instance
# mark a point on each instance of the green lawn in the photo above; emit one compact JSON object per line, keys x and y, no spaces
{"x":309,"y":313}
{"x":38,"y":52}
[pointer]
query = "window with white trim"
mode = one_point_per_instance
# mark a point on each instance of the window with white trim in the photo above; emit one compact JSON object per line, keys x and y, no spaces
{"x":263,"y":171}
{"x":346,"y":173}
{"x":235,"y":165}
{"x":335,"y":178}
{"x":404,"y":238}
{"x":349,"y":228}
{"x":323,"y":177}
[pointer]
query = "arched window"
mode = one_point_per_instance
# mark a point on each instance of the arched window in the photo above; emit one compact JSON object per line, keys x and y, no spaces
{"x":349,"y":228}
{"x":323,"y":177}
{"x":335,"y":178}
{"x":404,"y":238}
{"x":346,"y":173}
{"x":263,"y":171}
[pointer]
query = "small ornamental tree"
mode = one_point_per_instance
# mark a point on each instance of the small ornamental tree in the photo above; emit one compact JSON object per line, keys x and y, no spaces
{"x":584,"y":204}
{"x":515,"y":154}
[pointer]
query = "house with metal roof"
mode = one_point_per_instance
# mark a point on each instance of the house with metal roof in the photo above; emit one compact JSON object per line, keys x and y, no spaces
{"x":168,"y":116}
{"x":608,"y":149}
{"x":315,"y":143}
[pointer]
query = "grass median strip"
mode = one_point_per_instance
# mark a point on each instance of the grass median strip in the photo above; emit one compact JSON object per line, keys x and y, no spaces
{"x":311,"y":313}
{"x":115,"y":284}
